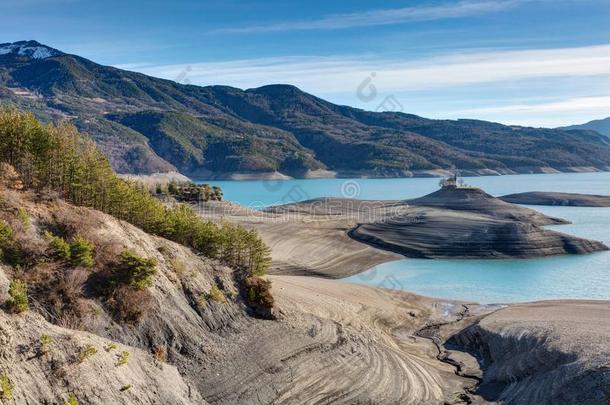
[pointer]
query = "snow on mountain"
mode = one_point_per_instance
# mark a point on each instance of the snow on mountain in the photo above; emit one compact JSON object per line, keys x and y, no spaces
{"x":31,"y":49}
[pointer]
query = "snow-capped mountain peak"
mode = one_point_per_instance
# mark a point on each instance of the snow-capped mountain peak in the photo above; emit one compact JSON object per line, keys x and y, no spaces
{"x":30,"y":49}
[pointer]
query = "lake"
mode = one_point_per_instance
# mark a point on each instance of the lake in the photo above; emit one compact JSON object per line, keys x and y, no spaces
{"x":262,"y":193}
{"x":485,"y":281}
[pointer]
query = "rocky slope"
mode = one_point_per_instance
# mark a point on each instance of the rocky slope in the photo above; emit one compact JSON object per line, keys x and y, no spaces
{"x":542,"y":353}
{"x":147,"y":125}
{"x":175,"y":322}
{"x":52,"y":376}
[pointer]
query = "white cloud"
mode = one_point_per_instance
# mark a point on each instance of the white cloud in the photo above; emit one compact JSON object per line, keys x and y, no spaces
{"x":458,"y":9}
{"x":343,"y":75}
{"x":555,"y":113}
{"x":575,"y":105}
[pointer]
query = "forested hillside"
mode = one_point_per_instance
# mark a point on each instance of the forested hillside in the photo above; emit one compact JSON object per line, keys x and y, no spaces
{"x":57,"y":159}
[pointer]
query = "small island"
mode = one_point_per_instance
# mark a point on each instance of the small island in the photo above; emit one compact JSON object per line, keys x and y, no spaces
{"x":561,"y":199}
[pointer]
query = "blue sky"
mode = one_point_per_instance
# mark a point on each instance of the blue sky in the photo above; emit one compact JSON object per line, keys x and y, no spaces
{"x":529,"y":62}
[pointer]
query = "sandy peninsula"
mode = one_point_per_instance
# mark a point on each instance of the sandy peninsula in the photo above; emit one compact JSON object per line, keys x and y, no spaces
{"x":469,"y":223}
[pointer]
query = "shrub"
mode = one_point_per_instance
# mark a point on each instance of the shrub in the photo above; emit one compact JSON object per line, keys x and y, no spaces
{"x":125,"y":388}
{"x":60,"y":249}
{"x":134,"y":271}
{"x":86,"y":352}
{"x":217,"y":193}
{"x":6,"y":387}
{"x":25,"y":219}
{"x":130,"y":305}
{"x":160,"y":354}
{"x":81,"y":252}
{"x":6,"y":232}
{"x":172,"y":187}
{"x":72,"y":400}
{"x":10,"y":250}
{"x":15,"y":256}
{"x":216,"y":295}
{"x":122,"y":359}
{"x":259,"y":292}
{"x":18,"y":301}
{"x":178,"y":266}
{"x":110,"y":347}
{"x":6,"y":236}
{"x":45,"y":344}
{"x":64,"y":298}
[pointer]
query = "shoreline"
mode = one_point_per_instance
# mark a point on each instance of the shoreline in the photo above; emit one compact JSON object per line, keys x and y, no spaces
{"x":433,"y":173}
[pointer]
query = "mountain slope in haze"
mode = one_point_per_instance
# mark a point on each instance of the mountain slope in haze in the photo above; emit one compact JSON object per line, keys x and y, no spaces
{"x":602,"y":126}
{"x":146,"y":125}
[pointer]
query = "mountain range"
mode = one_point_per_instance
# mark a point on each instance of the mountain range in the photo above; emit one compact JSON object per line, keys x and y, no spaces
{"x":602,"y":126}
{"x":147,"y":125}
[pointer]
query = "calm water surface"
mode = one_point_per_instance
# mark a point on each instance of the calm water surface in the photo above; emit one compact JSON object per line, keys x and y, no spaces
{"x":485,"y":281}
{"x":261,"y":193}
{"x":492,"y":281}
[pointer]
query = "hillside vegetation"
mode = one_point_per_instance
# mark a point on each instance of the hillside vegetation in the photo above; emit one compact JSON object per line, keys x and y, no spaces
{"x":59,"y":159}
{"x":601,"y":126}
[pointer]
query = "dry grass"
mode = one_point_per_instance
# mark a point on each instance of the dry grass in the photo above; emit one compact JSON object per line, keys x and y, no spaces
{"x":130,"y":305}
{"x":160,"y":354}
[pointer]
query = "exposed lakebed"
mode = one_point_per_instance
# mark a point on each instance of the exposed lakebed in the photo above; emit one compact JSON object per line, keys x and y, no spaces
{"x":582,"y":276}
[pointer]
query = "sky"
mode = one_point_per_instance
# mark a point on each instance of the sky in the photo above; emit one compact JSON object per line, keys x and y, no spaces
{"x":521,"y":62}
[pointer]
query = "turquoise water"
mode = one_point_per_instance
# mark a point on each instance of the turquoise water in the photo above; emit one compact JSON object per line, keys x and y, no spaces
{"x":485,"y":281}
{"x":261,"y":193}
{"x":496,"y":281}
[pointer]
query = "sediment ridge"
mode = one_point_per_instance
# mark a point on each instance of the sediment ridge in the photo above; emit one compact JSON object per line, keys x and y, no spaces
{"x":553,"y":352}
{"x":561,"y":199}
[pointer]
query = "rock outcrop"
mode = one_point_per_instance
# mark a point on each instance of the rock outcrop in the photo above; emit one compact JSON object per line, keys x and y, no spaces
{"x":436,"y":234}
